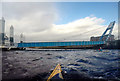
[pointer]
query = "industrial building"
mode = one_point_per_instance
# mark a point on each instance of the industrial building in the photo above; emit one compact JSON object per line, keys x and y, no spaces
{"x":111,"y":38}
{"x":65,"y":44}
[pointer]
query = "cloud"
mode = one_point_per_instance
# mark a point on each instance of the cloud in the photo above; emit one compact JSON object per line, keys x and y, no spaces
{"x":86,"y":23}
{"x":81,"y":29}
{"x":36,"y":22}
{"x":29,"y":18}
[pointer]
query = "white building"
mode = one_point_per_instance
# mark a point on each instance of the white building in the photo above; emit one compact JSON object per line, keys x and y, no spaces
{"x":2,"y":31}
{"x":11,"y":35}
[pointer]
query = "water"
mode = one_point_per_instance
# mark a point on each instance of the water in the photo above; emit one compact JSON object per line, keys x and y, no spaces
{"x":89,"y":63}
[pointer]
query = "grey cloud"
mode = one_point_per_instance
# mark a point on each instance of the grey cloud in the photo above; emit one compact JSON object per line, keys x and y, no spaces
{"x":20,"y":9}
{"x":29,"y":16}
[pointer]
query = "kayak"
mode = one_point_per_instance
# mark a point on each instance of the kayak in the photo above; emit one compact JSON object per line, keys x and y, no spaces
{"x":101,"y":51}
{"x":97,"y":51}
{"x":56,"y":75}
{"x":106,"y":51}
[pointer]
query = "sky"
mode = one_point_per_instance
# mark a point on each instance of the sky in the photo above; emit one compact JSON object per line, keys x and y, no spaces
{"x":59,"y":0}
{"x":59,"y":21}
{"x":105,"y":10}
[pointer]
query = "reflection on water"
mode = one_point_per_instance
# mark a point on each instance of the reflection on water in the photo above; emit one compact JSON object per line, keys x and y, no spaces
{"x":89,"y":63}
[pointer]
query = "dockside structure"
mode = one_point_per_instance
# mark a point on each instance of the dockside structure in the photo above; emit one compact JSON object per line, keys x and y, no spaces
{"x":67,"y":44}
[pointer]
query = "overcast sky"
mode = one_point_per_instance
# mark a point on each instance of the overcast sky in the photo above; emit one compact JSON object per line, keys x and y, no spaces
{"x":52,"y":21}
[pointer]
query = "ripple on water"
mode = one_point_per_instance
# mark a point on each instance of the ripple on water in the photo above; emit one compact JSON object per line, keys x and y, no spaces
{"x":80,"y":61}
{"x":107,"y":59}
{"x":73,"y":65}
{"x":60,"y":57}
{"x":84,"y":61}
{"x":101,"y":58}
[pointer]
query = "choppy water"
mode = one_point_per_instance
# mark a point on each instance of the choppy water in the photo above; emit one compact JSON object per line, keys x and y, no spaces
{"x":87,"y":62}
